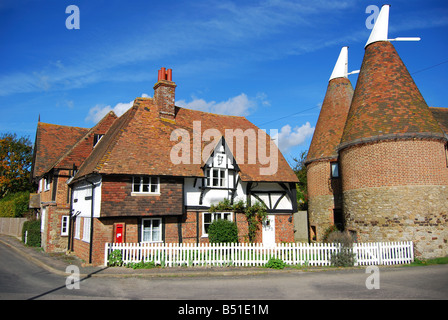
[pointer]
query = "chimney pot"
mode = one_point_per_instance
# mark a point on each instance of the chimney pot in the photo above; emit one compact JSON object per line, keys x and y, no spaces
{"x":164,"y":92}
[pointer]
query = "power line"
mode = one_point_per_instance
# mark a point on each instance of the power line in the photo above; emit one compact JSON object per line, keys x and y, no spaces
{"x":293,"y":114}
{"x":436,"y":65}
{"x":296,"y":113}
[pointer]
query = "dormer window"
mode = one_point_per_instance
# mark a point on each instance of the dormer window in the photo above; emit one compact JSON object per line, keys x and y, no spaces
{"x":216,"y":177}
{"x":97,"y":138}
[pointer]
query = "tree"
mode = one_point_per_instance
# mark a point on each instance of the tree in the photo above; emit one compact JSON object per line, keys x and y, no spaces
{"x":299,"y":169}
{"x":15,"y":164}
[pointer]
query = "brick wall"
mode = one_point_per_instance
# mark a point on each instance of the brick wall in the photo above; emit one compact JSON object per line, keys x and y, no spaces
{"x":116,"y":198}
{"x":394,"y":163}
{"x":398,"y":191}
{"x":324,"y":195}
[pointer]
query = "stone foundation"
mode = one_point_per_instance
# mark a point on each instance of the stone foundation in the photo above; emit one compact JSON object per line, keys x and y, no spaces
{"x":400,"y":213}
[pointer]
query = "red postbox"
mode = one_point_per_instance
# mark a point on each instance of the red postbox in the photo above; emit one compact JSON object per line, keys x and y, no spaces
{"x":119,"y":233}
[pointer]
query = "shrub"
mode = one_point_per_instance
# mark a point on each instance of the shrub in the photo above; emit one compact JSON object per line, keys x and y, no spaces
{"x":115,"y":258}
{"x":32,"y":228}
{"x":345,"y":256}
{"x":141,"y":265}
{"x":222,"y":231}
{"x":15,"y":205}
{"x":275,"y":264}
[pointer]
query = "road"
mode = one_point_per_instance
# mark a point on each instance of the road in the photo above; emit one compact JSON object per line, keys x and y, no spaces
{"x":21,"y":279}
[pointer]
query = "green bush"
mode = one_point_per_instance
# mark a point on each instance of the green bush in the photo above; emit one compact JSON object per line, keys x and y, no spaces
{"x":15,"y":205}
{"x":32,"y":227}
{"x":345,"y":256}
{"x":275,"y":264}
{"x":222,"y":231}
{"x":141,"y":265}
{"x":115,"y":258}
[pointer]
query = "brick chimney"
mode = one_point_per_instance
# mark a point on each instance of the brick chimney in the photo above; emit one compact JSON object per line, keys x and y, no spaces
{"x":164,"y":94}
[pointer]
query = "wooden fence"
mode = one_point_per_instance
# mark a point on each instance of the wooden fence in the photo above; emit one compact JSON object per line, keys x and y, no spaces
{"x":245,"y":254}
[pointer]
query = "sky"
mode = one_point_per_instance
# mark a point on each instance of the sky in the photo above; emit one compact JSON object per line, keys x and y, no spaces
{"x":269,"y":61}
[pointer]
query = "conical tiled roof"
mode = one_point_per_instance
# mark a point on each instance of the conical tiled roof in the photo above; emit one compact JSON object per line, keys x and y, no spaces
{"x":386,"y":103}
{"x":333,"y":113}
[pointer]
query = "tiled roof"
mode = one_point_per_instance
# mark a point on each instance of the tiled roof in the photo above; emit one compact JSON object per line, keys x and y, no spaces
{"x":139,"y":143}
{"x":441,"y":115}
{"x":386,"y":102}
{"x":331,"y":122}
{"x":53,"y":141}
{"x":84,"y":146}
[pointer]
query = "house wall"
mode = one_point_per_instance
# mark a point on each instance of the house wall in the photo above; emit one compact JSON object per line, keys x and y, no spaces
{"x":324,"y":195}
{"x":117,"y":198}
{"x":56,"y":202}
{"x":398,"y":191}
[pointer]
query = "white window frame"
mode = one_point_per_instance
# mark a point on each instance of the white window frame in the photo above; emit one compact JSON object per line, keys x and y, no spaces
{"x":145,"y":185}
{"x":47,"y":183}
{"x":86,"y":229}
{"x":64,"y":225}
{"x":151,"y":230}
{"x":222,"y":174}
{"x":78,"y":228}
{"x":334,"y":169}
{"x":214,"y":216}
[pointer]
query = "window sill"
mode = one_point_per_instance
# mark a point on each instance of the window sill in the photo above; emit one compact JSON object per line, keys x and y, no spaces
{"x":144,"y":194}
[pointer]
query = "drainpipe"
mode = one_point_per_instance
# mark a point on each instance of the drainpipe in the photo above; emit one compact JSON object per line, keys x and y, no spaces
{"x":70,"y":222}
{"x":91,"y":221}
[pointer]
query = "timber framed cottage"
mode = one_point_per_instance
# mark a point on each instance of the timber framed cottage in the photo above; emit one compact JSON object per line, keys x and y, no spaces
{"x":151,"y":175}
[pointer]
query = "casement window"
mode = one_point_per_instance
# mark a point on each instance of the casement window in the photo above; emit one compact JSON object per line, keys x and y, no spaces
{"x":78,"y":228}
{"x":148,"y":185}
{"x":151,"y":230}
{"x":334,"y":169}
{"x":86,"y":230}
{"x":64,"y":226}
{"x":209,"y":217}
{"x":216,"y":177}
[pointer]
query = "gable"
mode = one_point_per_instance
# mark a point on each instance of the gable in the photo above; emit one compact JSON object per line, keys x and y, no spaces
{"x":52,"y":141}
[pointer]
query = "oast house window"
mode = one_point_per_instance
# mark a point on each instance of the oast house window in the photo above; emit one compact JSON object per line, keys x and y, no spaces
{"x":146,"y":185}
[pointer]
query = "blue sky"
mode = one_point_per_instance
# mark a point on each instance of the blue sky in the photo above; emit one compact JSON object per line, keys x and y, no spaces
{"x":267,"y":60}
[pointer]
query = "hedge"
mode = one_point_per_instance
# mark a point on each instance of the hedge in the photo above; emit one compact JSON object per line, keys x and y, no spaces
{"x":33,"y":236}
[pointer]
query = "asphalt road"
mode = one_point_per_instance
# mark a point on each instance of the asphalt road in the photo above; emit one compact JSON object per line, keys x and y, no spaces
{"x":23,"y":280}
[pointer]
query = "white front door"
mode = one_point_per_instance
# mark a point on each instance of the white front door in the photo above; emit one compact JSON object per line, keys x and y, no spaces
{"x":269,"y":231}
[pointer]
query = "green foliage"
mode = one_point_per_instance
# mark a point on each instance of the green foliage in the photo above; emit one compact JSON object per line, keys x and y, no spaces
{"x":275,"y":264}
{"x":141,"y":265}
{"x":299,"y":169}
{"x":32,"y":230}
{"x":15,"y":205}
{"x":115,"y":258}
{"x":15,"y":164}
{"x":222,"y":231}
{"x":255,"y":214}
{"x":345,"y":256}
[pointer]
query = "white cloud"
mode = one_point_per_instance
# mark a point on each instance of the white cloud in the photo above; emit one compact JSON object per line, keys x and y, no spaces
{"x":99,"y":111}
{"x":288,"y":137}
{"x":240,"y":105}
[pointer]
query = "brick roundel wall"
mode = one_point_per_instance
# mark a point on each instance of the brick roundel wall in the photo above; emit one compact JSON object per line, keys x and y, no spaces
{"x":324,"y":195}
{"x":397,"y":191}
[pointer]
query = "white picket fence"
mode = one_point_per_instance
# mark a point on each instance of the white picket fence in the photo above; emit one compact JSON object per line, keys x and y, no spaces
{"x":245,"y":254}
